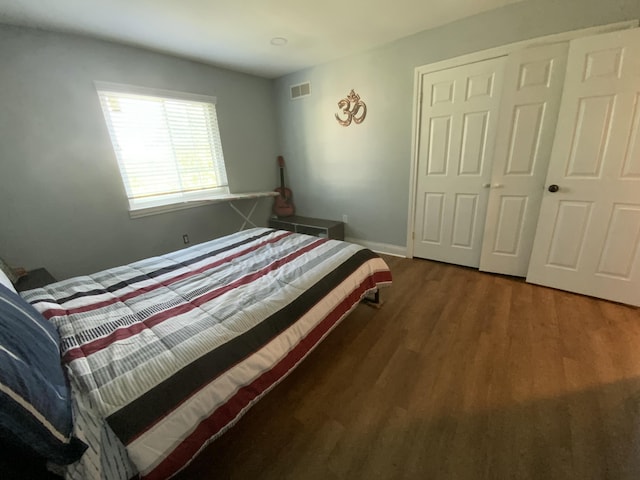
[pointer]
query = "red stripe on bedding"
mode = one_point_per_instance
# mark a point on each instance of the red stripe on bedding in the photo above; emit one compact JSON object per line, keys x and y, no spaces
{"x":232,"y":410}
{"x":52,"y":312}
{"x":122,"y":333}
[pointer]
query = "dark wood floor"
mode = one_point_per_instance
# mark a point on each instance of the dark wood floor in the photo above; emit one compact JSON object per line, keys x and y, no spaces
{"x":460,"y":375}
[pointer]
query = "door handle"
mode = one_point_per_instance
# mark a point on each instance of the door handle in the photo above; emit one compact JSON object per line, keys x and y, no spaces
{"x":486,"y":185}
{"x":497,"y":185}
{"x":553,"y":188}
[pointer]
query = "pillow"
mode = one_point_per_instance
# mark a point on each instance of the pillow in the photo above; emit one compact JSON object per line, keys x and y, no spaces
{"x":4,"y":280}
{"x":35,"y":401}
{"x":8,"y":271}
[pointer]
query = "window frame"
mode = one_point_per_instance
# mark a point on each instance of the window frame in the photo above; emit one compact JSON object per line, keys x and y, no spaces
{"x":179,"y":201}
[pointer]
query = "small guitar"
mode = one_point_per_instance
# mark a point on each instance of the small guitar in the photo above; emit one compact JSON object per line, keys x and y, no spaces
{"x":283,"y":205}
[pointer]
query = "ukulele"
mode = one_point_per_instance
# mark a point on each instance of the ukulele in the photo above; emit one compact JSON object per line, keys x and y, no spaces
{"x":282,"y":205}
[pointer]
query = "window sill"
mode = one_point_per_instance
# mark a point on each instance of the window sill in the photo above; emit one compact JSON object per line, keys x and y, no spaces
{"x":159,"y":209}
{"x":172,"y":207}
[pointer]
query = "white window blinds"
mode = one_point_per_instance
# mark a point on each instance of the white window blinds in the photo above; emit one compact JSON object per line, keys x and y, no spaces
{"x":168,"y":147}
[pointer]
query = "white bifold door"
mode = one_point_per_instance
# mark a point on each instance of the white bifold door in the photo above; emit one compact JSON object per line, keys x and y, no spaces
{"x":531,"y":96}
{"x":458,"y":124}
{"x":588,"y":235}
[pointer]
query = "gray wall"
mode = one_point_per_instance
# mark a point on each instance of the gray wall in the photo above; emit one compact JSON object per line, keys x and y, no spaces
{"x":62,"y":203}
{"x":363,"y":170}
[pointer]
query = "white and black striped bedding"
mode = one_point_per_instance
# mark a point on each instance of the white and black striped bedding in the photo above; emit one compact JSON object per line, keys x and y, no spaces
{"x":172,"y":350}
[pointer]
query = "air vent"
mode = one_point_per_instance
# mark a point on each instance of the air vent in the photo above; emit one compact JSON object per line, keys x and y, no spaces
{"x":300,"y":90}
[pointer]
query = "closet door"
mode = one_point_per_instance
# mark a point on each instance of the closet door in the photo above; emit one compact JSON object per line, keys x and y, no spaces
{"x":528,"y":113}
{"x":458,"y":120}
{"x":588,"y":235}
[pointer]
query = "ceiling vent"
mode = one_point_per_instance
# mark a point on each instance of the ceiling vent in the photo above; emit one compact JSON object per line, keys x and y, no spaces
{"x":300,"y":90}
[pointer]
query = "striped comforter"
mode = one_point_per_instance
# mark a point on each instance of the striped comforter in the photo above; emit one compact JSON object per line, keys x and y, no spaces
{"x":174,"y":349}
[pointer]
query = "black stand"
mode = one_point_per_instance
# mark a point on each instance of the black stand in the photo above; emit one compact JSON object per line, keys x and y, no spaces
{"x":373,"y":300}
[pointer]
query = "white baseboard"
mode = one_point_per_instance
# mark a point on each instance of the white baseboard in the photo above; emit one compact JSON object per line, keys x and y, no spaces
{"x":385,"y":248}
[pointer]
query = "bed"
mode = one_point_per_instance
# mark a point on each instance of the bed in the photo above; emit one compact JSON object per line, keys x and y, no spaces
{"x":165,"y":354}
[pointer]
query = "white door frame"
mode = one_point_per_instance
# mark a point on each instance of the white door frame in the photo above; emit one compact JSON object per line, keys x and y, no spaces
{"x":472,"y":58}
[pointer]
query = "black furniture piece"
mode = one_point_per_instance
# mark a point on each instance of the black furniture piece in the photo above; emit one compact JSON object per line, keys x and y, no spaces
{"x":310,"y":226}
{"x":34,"y":279}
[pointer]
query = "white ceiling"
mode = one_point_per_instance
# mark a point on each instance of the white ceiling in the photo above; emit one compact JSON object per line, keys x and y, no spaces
{"x":237,"y":33}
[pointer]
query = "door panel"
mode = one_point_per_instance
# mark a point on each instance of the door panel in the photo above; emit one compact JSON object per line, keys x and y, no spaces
{"x":512,"y":210}
{"x":566,"y":248}
{"x":464,"y":218}
{"x":458,"y":121}
{"x":474,"y":143}
{"x":528,"y":114}
{"x":439,"y":141}
{"x":631,"y":168}
{"x":479,"y":86}
{"x":434,"y":212}
{"x":588,"y":234}
{"x":525,"y":138}
{"x":591,"y":135}
{"x":624,"y":230}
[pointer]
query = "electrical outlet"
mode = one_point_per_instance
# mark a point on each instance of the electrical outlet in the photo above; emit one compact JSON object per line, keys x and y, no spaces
{"x":345,"y":218}
{"x":185,"y":239}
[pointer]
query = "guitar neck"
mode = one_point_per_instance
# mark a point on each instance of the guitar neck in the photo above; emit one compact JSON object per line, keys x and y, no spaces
{"x":282,"y":181}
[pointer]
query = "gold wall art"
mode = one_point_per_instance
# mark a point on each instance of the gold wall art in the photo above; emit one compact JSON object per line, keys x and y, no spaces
{"x":352,"y":108}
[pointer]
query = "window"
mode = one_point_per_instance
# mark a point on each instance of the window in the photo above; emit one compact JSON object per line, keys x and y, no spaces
{"x":167,"y":145}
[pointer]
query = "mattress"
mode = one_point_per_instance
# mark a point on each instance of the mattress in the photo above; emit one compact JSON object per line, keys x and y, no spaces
{"x":165,"y":354}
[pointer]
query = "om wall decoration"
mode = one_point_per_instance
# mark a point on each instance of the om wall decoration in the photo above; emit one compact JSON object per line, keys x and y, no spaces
{"x":352,"y":108}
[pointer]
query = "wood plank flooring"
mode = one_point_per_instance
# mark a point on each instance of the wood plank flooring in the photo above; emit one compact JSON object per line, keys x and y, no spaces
{"x":460,"y":375}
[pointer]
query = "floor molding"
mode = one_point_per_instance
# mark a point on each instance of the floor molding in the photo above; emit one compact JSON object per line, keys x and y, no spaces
{"x":386,"y":248}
